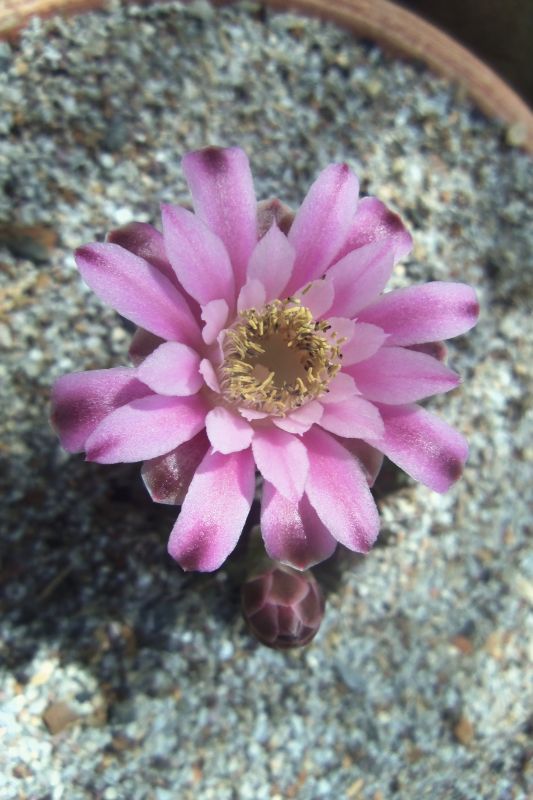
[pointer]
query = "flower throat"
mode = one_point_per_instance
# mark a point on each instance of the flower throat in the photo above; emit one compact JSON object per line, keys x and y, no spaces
{"x":278,"y":358}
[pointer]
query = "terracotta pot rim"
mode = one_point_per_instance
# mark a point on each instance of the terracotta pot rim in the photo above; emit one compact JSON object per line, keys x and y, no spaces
{"x":389,"y":25}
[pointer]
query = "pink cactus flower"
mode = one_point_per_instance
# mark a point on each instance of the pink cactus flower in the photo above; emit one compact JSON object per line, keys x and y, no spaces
{"x":265,"y":342}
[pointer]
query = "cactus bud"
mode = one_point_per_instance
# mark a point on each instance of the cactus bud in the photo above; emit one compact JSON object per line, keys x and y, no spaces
{"x":283,"y":607}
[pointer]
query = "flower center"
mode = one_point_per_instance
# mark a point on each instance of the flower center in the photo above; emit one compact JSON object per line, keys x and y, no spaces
{"x":278,"y":358}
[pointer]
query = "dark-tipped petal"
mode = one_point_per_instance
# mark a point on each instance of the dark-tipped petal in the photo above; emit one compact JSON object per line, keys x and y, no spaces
{"x":374,"y":222}
{"x":292,"y":531}
{"x":223,"y":196}
{"x":426,"y":447}
{"x":146,"y":242}
{"x":397,"y":375}
{"x":214,"y":511}
{"x":322,"y":223}
{"x":417,"y":314}
{"x":146,"y":428}
{"x":168,"y":477}
{"x":138,"y":291}
{"x":81,"y":400}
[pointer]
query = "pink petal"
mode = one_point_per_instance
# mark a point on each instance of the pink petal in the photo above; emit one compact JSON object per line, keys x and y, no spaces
{"x":366,"y":340}
{"x":214,"y":511}
{"x":251,"y":414}
{"x":353,"y":418}
{"x":172,"y":369}
{"x":370,"y":459}
{"x":223,"y":195}
{"x":396,"y":375}
{"x":197,"y":255}
{"x":273,"y":211}
{"x":137,"y":290}
{"x":360,"y":277}
{"x":374,"y":222}
{"x":342,"y":327}
{"x":168,"y":477}
{"x":300,"y":420}
{"x":146,"y":428}
{"x":281,"y":459}
{"x":423,"y":445}
{"x":81,"y":400}
{"x":338,"y":491}
{"x":252,"y":295}
{"x":419,"y":314}
{"x":340,"y":387}
{"x":227,"y":432}
{"x":292,"y":532}
{"x":209,"y":375}
{"x":317,"y":296}
{"x":146,"y":242}
{"x":322,"y":223}
{"x":437,"y":350}
{"x":271,"y":262}
{"x":215,"y":315}
{"x":142,"y":344}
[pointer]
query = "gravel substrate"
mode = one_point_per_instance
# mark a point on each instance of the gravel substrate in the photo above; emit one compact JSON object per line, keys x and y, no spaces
{"x":123,"y":678}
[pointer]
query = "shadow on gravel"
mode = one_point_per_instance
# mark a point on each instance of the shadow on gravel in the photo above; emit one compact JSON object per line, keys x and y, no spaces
{"x":84,"y":567}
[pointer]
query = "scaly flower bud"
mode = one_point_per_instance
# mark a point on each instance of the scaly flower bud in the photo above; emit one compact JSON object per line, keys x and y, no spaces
{"x":283,"y":607}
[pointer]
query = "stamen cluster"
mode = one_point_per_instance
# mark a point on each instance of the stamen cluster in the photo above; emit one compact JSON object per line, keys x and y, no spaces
{"x":278,"y":358}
